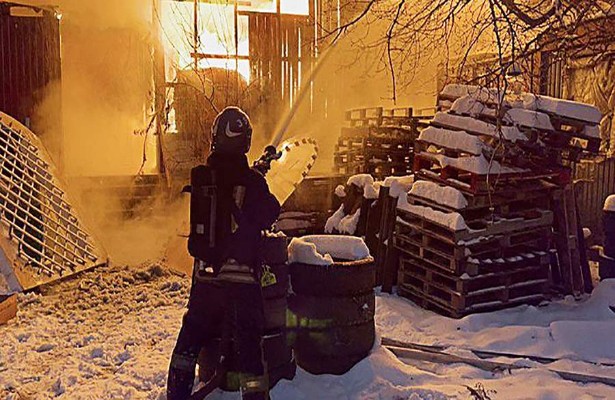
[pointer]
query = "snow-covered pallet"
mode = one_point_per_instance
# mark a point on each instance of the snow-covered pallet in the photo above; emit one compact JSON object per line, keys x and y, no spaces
{"x":425,"y":278}
{"x":473,"y":230}
{"x":556,"y":124}
{"x":430,"y":167}
{"x":571,"y":137}
{"x":472,"y":257}
{"x":452,"y":92}
{"x":449,"y":304}
{"x":514,"y":203}
{"x":520,"y":279}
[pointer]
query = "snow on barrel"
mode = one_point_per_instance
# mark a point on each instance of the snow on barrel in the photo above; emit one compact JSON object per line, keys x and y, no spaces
{"x":333,"y":304}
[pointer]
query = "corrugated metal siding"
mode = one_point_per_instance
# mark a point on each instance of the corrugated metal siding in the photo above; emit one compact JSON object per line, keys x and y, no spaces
{"x":600,"y":183}
{"x":29,"y":60}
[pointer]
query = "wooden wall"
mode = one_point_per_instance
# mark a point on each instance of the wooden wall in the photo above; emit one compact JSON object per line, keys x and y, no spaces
{"x":29,"y":59}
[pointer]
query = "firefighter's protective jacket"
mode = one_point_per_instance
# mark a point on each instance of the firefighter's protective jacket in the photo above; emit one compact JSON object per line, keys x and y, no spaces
{"x":238,"y":226}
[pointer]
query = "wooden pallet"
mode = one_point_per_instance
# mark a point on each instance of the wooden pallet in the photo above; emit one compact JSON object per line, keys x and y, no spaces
{"x":454,"y":305}
{"x":379,"y":116}
{"x":426,"y":167}
{"x":574,"y":129}
{"x":379,"y":132}
{"x":477,"y":229}
{"x":385,"y":148}
{"x":512,"y":272}
{"x":571,"y":140}
{"x":379,"y":158}
{"x":473,"y":258}
{"x":483,"y":207}
{"x":377,"y":141}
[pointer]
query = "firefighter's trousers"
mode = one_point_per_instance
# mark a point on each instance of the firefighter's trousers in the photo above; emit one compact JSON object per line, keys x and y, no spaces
{"x":218,"y":309}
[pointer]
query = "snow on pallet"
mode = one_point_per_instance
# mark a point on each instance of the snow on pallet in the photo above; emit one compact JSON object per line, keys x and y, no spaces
{"x":447,"y":304}
{"x":560,"y":123}
{"x":481,"y":94}
{"x":435,"y":223}
{"x":467,"y":106}
{"x":477,"y":127}
{"x":497,"y":283}
{"x":470,"y":94}
{"x":453,"y":227}
{"x":474,"y":174}
{"x":472,"y":257}
{"x":570,"y":110}
{"x":440,"y":195}
{"x":459,"y":141}
{"x":514,"y":200}
{"x":423,"y":276}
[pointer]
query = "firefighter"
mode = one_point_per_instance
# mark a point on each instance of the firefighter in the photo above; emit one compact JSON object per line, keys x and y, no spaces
{"x":230,"y":206}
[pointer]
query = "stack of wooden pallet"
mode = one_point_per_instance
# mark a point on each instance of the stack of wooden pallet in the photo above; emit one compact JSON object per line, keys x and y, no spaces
{"x":462,"y":253}
{"x":476,"y":232}
{"x":558,"y":131}
{"x":378,"y":141}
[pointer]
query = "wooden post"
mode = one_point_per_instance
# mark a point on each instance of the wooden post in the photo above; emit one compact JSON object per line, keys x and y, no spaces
{"x":386,"y":255}
{"x":588,"y":285}
{"x":573,"y":266}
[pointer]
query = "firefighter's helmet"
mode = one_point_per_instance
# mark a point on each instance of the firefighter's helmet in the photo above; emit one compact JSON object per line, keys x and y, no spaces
{"x":231,"y":132}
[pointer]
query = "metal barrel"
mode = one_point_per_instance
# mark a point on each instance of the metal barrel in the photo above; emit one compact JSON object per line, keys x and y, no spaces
{"x":608,"y":221}
{"x":331,"y":314}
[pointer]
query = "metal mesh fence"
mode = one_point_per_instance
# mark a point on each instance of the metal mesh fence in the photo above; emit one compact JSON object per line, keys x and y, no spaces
{"x":46,"y":236}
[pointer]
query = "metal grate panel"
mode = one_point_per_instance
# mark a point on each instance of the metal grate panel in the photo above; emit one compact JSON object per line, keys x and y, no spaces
{"x":41,"y":235}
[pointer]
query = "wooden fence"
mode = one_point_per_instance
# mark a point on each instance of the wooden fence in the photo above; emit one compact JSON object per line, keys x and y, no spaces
{"x":598,"y":182}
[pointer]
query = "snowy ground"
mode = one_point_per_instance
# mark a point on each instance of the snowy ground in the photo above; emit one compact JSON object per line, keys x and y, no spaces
{"x":109,"y":335}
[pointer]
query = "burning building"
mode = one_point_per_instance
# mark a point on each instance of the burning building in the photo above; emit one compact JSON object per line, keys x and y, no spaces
{"x":123,"y":96}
